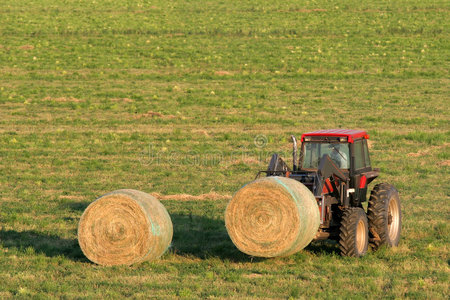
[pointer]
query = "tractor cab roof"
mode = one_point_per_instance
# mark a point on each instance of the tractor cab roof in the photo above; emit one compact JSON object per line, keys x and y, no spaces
{"x":350,"y":134}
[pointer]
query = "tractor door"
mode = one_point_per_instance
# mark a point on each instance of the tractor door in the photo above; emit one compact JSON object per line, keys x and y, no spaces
{"x":361,"y":171}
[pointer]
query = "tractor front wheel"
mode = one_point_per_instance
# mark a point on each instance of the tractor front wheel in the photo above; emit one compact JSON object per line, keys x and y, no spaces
{"x":385,"y":216}
{"x":354,"y":232}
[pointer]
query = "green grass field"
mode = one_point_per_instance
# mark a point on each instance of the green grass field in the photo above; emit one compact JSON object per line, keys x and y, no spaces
{"x":168,"y":97}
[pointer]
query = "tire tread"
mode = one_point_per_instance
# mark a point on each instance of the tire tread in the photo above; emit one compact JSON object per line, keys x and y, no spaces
{"x":377,"y":214}
{"x":347,"y":234}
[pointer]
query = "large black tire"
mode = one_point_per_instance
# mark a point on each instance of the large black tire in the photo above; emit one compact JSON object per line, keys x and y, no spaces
{"x":385,"y":216}
{"x":354,"y":232}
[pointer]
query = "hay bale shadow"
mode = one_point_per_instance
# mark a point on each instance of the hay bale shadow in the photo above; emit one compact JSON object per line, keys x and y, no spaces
{"x":76,"y":205}
{"x":204,"y":237}
{"x":50,"y":245}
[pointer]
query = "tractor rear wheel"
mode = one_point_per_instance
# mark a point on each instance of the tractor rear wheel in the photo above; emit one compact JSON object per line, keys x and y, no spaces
{"x":354,"y":232}
{"x":385,"y":216}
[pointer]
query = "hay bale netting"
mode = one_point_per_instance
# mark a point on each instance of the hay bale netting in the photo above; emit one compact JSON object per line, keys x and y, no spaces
{"x":124,"y":227}
{"x":272,"y":216}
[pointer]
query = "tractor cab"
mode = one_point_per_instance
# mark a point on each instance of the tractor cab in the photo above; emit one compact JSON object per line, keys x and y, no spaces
{"x":348,"y":151}
{"x":331,"y":162}
{"x":347,"y":148}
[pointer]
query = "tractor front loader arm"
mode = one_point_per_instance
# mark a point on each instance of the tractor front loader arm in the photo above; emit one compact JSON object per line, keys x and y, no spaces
{"x":328,"y":170}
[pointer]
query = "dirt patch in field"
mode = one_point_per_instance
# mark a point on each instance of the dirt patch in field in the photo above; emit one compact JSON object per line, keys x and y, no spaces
{"x":72,"y":197}
{"x":253,"y":275}
{"x":201,"y":131}
{"x":26,"y":47}
{"x":6,"y":295}
{"x":223,"y":73}
{"x":187,"y":197}
{"x":371,"y":11}
{"x":310,"y":10}
{"x":426,"y":151}
{"x":247,"y":160}
{"x":175,"y":34}
{"x":127,"y":100}
{"x":63,"y":99}
{"x":305,"y":10}
{"x":444,"y":163}
{"x":153,"y":114}
{"x":416,"y":154}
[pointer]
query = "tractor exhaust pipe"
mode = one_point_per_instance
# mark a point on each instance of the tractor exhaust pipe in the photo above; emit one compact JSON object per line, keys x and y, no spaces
{"x":294,"y":152}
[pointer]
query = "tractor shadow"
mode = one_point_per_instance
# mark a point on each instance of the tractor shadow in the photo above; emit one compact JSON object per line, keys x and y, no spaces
{"x":204,"y":238}
{"x":326,"y":247}
{"x":37,"y":242}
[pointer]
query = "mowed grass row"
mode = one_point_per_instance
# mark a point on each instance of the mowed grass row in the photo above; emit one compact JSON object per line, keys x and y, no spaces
{"x":170,"y":97}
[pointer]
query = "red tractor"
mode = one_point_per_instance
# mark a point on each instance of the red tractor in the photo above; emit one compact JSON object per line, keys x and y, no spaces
{"x":335,"y":166}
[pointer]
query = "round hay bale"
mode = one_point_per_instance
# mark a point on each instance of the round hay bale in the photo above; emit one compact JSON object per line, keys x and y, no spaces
{"x":124,"y":227}
{"x":272,"y":216}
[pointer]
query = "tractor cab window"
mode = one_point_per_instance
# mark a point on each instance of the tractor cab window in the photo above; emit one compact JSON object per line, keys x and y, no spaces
{"x":366,"y":154}
{"x":313,"y":152}
{"x":359,"y":155}
{"x":362,"y":159}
